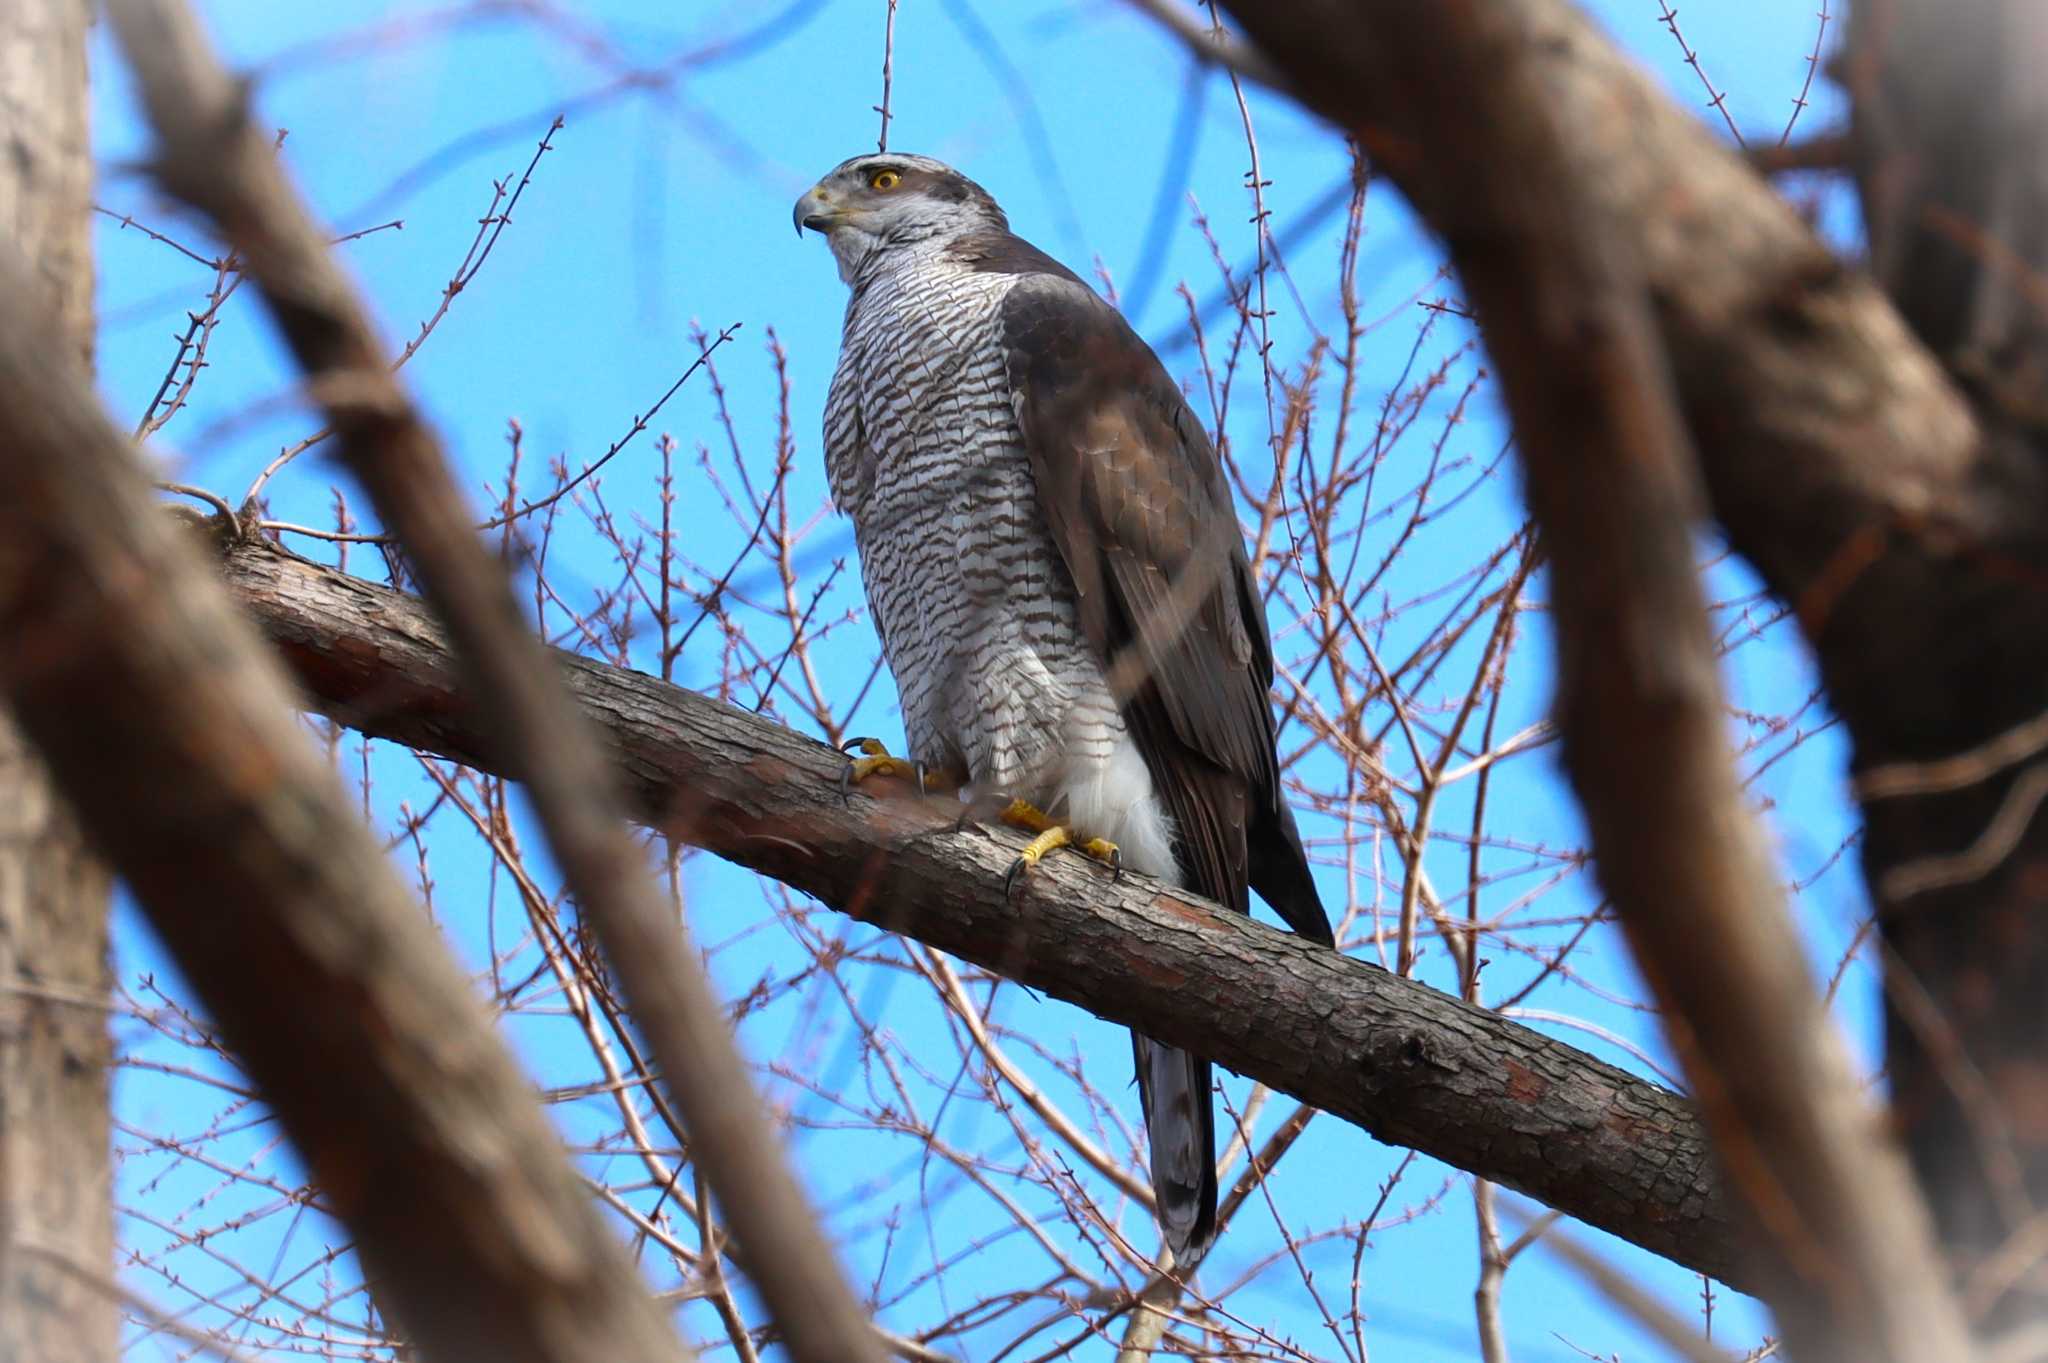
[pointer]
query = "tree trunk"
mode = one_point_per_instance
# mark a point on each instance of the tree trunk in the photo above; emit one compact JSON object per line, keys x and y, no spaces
{"x":1951,"y":132}
{"x":56,"y":1220}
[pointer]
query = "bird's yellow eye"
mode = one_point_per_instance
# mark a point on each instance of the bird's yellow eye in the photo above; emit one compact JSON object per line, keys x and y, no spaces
{"x":884,"y":179}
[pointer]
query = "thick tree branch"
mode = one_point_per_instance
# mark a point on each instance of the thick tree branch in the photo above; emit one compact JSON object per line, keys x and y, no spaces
{"x":1564,"y":306}
{"x":1895,"y":500}
{"x":1892,"y":496}
{"x":1822,"y":427}
{"x":1409,"y":1064}
{"x":169,"y":728}
{"x":212,"y":155}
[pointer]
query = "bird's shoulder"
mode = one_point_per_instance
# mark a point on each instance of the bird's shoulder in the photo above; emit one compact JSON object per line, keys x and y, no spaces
{"x":1001,"y":252}
{"x":1106,"y":420}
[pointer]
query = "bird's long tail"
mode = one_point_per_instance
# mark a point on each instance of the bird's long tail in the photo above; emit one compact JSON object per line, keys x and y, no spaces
{"x":1180,"y":1123}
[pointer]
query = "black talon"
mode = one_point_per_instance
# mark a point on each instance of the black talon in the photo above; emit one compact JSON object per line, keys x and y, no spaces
{"x":1116,"y":864}
{"x":846,"y":773}
{"x":1010,"y":878}
{"x":918,"y":767}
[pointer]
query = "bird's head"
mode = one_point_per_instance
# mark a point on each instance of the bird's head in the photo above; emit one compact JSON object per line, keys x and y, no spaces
{"x":887,"y":199}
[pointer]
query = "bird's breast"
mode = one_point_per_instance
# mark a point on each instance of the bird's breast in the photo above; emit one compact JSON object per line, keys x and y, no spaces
{"x":972,"y":599}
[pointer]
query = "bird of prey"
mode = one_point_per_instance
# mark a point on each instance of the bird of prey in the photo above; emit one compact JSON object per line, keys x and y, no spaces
{"x":1054,"y":566}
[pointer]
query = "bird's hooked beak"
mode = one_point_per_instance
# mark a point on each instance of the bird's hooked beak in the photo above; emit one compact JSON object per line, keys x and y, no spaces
{"x":816,"y":211}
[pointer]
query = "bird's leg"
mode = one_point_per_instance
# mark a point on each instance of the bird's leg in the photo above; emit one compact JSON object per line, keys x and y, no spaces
{"x":876,"y":760}
{"x":1050,"y":834}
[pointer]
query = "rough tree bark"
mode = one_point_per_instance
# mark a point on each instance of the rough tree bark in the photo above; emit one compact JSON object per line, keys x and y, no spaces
{"x":1412,"y":1065}
{"x":56,"y":1214}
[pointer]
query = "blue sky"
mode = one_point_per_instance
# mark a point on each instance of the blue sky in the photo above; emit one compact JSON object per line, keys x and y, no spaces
{"x":662,"y":214}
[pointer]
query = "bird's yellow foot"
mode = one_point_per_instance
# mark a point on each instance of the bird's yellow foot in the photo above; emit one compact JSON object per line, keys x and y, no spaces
{"x":1051,"y":834}
{"x":876,"y":760}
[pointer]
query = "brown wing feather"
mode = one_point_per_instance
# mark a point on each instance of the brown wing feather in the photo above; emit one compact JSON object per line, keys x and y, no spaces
{"x":1137,"y":503}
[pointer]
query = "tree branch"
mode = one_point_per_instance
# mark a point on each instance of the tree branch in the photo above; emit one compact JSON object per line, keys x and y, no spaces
{"x":1837,"y":454}
{"x":1816,"y":415}
{"x":169,"y":728}
{"x":1409,"y":1064}
{"x":212,"y":156}
{"x":1564,"y":306}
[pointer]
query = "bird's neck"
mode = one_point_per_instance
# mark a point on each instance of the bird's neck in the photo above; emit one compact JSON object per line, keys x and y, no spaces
{"x":869,"y":261}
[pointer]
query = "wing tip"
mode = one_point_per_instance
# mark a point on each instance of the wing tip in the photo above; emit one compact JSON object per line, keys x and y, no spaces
{"x":1280,"y":873}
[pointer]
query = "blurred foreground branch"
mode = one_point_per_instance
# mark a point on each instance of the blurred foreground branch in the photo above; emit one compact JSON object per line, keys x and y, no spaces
{"x":212,"y":156}
{"x":1883,"y":473}
{"x":1848,"y":1261}
{"x":170,"y":730}
{"x":1413,"y":1066}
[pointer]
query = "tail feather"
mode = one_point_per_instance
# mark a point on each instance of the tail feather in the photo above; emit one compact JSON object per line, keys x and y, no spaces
{"x":1180,"y":1126}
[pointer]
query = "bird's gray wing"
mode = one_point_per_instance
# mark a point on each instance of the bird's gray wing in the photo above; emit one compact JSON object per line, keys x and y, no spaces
{"x":1137,"y":503}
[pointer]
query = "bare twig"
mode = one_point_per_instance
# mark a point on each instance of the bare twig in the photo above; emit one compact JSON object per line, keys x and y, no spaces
{"x":1623,"y":1291}
{"x":1210,"y":45}
{"x":103,"y":1285}
{"x":888,"y":73}
{"x":1993,"y":845}
{"x":490,"y":226}
{"x":1979,"y":763}
{"x":1493,"y":1270}
{"x":639,"y":424}
{"x":1716,"y":100}
{"x":1799,"y":101}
